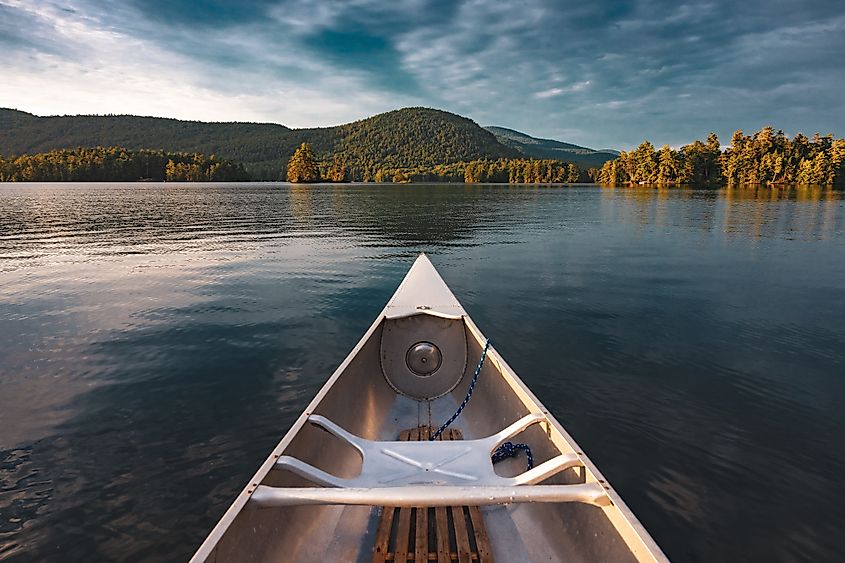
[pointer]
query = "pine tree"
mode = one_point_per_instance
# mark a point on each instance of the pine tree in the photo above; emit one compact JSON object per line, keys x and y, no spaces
{"x":573,"y":173}
{"x":667,"y":166}
{"x":170,"y":171}
{"x":711,"y":170}
{"x":337,"y":171}
{"x":645,"y":164}
{"x":837,"y":158}
{"x":302,"y":166}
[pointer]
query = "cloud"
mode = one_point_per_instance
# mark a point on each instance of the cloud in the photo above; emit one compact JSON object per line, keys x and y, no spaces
{"x":606,"y":73}
{"x":550,"y":93}
{"x":105,"y":66}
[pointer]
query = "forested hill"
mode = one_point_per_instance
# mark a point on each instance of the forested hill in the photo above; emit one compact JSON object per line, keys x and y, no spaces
{"x":533,"y":147}
{"x":414,"y":137}
{"x":257,"y":145}
{"x":405,"y":138}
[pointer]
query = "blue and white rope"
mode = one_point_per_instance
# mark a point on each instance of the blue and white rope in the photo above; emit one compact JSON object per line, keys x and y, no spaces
{"x":507,"y":449}
{"x":472,"y":383}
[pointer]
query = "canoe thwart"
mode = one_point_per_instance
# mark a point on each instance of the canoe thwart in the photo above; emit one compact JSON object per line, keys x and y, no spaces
{"x":429,"y":495}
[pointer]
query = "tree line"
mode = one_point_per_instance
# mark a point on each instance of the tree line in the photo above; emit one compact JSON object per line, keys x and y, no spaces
{"x":116,"y":164}
{"x":767,"y":157}
{"x":304,"y":166}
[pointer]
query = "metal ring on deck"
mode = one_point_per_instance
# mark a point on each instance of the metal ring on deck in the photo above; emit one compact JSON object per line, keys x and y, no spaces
{"x":423,"y":358}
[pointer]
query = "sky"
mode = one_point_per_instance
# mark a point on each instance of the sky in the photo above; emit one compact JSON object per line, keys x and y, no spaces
{"x":599,"y":73}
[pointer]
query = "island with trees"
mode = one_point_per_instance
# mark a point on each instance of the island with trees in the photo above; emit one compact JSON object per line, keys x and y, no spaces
{"x":767,"y":157}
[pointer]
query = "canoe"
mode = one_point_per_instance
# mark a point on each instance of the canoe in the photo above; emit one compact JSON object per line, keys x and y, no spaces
{"x":358,"y":476}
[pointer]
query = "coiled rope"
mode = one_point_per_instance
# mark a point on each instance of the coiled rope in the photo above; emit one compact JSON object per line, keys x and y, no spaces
{"x":509,"y":449}
{"x":505,"y":450}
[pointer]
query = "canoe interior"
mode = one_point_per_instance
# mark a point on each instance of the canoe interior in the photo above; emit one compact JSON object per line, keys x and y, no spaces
{"x":360,"y":399}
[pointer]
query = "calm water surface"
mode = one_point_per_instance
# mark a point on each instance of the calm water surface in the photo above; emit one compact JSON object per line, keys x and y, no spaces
{"x":157,"y":341}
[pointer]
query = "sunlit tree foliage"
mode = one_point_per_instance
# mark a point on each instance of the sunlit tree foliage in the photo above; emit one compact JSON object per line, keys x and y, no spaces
{"x":767,"y":157}
{"x":117,"y":164}
{"x":302,"y":166}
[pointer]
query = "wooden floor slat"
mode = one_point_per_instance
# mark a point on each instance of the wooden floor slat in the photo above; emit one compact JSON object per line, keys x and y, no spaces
{"x":482,"y":541}
{"x":451,"y":541}
{"x":421,"y":533}
{"x":403,"y":533}
{"x":461,"y":536}
{"x":442,"y":535}
{"x":383,"y":534}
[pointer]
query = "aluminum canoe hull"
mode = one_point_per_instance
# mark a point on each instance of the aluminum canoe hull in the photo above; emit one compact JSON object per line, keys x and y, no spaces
{"x":373,"y":396}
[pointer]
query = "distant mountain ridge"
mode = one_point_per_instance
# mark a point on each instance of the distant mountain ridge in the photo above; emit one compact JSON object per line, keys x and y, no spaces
{"x":535,"y":147}
{"x":404,"y":138}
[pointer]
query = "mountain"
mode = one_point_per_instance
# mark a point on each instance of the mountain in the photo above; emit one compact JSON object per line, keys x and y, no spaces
{"x":417,"y":137}
{"x":407,"y":137}
{"x":534,"y":147}
{"x":259,"y":146}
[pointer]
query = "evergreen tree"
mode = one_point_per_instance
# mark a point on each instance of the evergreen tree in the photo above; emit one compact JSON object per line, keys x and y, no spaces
{"x":645,"y":164}
{"x":573,"y":174}
{"x":711,"y":170}
{"x":302,"y":166}
{"x":667,"y":166}
{"x":337,"y":172}
{"x":837,"y":160}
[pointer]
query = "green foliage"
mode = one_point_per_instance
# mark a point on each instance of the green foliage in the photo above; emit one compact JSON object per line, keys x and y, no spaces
{"x":641,"y":166}
{"x":332,"y":172}
{"x":302,"y":167}
{"x":767,"y":157}
{"x":668,"y":165}
{"x":117,"y":164}
{"x":513,"y":171}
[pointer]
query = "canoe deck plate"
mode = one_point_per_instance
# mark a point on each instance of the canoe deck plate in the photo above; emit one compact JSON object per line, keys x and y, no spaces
{"x":403,"y":339}
{"x":422,"y":534}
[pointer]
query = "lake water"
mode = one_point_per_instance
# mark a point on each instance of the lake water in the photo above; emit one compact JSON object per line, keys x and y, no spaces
{"x":157,"y":341}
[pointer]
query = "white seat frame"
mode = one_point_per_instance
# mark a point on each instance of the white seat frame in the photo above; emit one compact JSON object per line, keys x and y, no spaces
{"x":428,"y":473}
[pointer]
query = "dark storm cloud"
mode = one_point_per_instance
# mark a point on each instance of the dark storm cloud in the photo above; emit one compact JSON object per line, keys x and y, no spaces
{"x":606,"y":73}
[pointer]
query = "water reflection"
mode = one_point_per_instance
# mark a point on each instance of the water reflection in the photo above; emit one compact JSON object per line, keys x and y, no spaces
{"x":159,"y":339}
